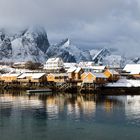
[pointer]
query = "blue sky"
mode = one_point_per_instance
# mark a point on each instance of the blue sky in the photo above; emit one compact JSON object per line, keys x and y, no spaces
{"x":88,"y":23}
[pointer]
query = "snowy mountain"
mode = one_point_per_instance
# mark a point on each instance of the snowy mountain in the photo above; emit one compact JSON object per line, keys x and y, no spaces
{"x":114,"y":61}
{"x":29,"y":45}
{"x":32,"y":44}
{"x":68,"y":52}
{"x":100,"y":55}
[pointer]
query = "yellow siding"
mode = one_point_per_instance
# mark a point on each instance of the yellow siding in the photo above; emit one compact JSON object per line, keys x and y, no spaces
{"x":107,"y":73}
{"x":110,"y":76}
{"x":50,"y":78}
{"x":8,"y":78}
{"x":88,"y":77}
{"x":83,"y":76}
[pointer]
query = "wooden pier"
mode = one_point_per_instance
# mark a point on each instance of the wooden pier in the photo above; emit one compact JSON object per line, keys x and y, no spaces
{"x":39,"y":91}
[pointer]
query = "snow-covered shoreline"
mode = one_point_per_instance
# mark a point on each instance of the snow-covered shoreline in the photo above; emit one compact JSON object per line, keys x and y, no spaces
{"x":125,"y":83}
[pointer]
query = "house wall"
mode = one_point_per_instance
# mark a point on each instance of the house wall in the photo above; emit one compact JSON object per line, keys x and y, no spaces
{"x":57,"y":79}
{"x":23,"y":80}
{"x":101,"y":80}
{"x":71,"y":75}
{"x":78,"y":75}
{"x":38,"y":80}
{"x":50,"y":78}
{"x":89,"y":78}
{"x":111,"y":77}
{"x":107,"y":73}
{"x":8,"y":78}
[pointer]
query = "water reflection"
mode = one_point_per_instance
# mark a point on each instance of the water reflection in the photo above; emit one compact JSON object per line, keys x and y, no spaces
{"x":40,"y":116}
{"x":71,"y":106}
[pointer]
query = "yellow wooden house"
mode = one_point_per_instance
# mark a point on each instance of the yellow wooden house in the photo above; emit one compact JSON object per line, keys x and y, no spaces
{"x":75,"y":73}
{"x":78,"y":72}
{"x":9,"y":77}
{"x":98,"y":78}
{"x":112,"y":75}
{"x":57,"y":77}
{"x":32,"y":78}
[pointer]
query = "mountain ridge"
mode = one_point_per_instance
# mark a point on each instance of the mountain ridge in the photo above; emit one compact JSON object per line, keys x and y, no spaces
{"x":32,"y":44}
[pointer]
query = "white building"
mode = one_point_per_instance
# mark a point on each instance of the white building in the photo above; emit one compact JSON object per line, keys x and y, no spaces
{"x":90,"y":66}
{"x":54,"y":64}
{"x":132,"y":68}
{"x":69,"y":65}
{"x":86,"y":64}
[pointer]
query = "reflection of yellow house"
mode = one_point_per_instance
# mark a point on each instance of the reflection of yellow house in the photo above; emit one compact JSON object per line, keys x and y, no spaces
{"x":89,"y":77}
{"x":9,"y":77}
{"x":112,"y":75}
{"x":108,"y":105}
{"x":57,"y":77}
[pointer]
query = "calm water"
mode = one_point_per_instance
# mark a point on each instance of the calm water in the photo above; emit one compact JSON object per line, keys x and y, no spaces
{"x":69,"y":117}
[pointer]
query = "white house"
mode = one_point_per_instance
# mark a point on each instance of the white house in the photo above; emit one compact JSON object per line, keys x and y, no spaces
{"x":86,"y":64}
{"x":132,"y":68}
{"x":69,"y":65}
{"x":54,"y":64}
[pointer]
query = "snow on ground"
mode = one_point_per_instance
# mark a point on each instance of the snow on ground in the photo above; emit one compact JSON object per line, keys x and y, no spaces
{"x":125,"y":83}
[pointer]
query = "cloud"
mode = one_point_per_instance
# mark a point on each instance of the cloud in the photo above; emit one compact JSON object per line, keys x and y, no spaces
{"x":89,"y":23}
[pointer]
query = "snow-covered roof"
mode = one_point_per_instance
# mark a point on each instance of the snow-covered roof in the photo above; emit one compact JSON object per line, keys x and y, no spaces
{"x":135,"y":72}
{"x":33,"y":75}
{"x":77,"y":69}
{"x":98,"y":67}
{"x":37,"y":75}
{"x":72,"y":69}
{"x":84,"y":64}
{"x":21,"y":76}
{"x":11,"y":75}
{"x":70,"y":65}
{"x":99,"y":75}
{"x":113,"y":71}
{"x":19,"y":63}
{"x":132,"y":68}
{"x":60,"y":74}
{"x":55,"y":59}
{"x":101,"y":68}
{"x":125,"y":83}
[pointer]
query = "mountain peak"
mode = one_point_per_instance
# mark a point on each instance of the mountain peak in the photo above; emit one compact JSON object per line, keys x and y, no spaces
{"x":64,"y":43}
{"x":38,"y":35}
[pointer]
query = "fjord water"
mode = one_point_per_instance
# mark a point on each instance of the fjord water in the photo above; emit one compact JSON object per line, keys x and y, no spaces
{"x":69,"y":117}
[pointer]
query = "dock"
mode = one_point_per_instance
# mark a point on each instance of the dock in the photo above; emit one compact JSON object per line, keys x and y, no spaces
{"x":39,"y":91}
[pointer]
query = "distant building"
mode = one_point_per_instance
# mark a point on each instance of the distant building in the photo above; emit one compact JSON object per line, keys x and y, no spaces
{"x":69,"y":65}
{"x":54,"y":65}
{"x":95,"y":68}
{"x":86,"y":64}
{"x":19,"y":65}
{"x":132,"y":68}
{"x":132,"y":71}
